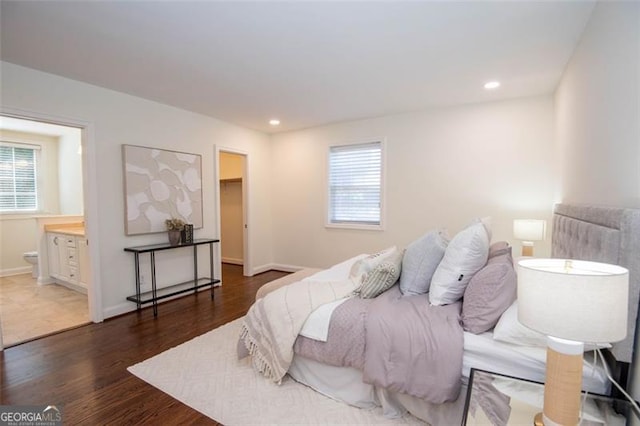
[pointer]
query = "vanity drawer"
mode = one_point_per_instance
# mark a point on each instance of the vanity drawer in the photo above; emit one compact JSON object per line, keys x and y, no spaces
{"x":72,"y":256}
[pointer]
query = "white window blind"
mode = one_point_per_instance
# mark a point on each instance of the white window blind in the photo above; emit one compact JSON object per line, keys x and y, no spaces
{"x":18,"y":190}
{"x":355,"y":184}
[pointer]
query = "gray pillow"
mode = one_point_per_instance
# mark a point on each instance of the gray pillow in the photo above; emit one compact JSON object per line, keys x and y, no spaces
{"x":420,"y":261}
{"x":489,"y":294}
{"x":498,"y":248}
{"x":382,"y":277}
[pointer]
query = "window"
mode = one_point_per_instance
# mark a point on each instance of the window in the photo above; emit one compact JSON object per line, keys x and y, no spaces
{"x":18,"y":189}
{"x":355,"y":185}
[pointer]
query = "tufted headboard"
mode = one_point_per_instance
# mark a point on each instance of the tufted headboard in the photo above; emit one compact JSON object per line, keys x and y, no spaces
{"x":608,"y":235}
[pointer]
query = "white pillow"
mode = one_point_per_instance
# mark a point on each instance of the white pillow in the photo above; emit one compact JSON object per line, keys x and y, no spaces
{"x":510,"y":330}
{"x":466,"y":254}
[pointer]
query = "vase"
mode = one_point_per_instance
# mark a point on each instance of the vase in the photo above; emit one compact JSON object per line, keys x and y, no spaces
{"x":174,"y":237}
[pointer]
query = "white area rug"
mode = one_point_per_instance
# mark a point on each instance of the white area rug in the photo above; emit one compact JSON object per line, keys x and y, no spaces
{"x":205,"y":374}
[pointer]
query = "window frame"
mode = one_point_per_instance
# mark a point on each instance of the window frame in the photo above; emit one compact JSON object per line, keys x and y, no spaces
{"x":36,"y":148}
{"x":328,"y":206}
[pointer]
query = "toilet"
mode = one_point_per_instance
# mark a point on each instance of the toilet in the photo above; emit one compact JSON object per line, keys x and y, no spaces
{"x":32,"y":258}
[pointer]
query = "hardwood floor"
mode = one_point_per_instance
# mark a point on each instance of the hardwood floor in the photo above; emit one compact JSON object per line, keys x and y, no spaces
{"x":84,"y":369}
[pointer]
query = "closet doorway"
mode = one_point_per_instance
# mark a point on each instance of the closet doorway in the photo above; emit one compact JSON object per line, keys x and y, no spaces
{"x":233,"y":208}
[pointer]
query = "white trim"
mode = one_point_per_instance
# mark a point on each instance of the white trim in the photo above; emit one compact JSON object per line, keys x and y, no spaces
{"x":15,"y":271}
{"x":127,"y":307}
{"x":90,"y":192}
{"x":277,"y":267}
{"x":14,"y":144}
{"x":232,"y":261}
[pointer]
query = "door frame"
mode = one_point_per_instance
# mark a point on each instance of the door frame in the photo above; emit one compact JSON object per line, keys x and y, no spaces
{"x":247,"y":270}
{"x":89,"y":192}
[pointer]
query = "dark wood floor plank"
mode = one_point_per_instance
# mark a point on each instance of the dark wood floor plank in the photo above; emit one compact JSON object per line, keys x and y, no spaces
{"x":84,"y":369}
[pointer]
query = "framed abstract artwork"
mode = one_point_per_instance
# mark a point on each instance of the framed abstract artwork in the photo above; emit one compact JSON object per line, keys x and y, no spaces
{"x":159,"y":185}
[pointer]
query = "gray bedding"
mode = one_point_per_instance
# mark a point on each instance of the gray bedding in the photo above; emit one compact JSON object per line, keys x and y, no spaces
{"x":401,"y":343}
{"x":345,"y":342}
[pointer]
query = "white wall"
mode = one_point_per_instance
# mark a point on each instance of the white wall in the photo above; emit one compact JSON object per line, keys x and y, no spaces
{"x":598,"y":113}
{"x":114,"y":119}
{"x":70,"y":173}
{"x":444,"y":167}
{"x":17,"y":236}
{"x":598,"y":116}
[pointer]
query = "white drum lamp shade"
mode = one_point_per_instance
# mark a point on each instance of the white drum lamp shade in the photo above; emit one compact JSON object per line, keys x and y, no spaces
{"x":572,"y":302}
{"x":528,"y":231}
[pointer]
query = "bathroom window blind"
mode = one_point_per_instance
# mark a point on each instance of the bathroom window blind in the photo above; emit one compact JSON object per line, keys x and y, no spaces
{"x":355,"y":185}
{"x":18,"y":180}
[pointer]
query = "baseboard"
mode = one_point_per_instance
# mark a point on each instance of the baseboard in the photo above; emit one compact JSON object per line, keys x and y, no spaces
{"x":277,"y":267}
{"x":114,"y":311}
{"x":15,"y":271}
{"x":127,"y":307}
{"x":233,"y":261}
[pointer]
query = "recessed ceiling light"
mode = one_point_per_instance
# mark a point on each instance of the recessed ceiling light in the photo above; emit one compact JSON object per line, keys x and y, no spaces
{"x":274,"y":122}
{"x":492,"y":85}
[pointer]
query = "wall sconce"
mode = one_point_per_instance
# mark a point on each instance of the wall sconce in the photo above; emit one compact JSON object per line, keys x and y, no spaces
{"x":528,"y":231}
{"x":572,"y":302}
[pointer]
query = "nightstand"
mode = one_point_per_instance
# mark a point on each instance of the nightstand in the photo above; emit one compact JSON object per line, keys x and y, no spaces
{"x":495,"y":399}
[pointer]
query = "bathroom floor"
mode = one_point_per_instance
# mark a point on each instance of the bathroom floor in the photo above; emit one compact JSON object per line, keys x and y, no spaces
{"x":29,"y":310}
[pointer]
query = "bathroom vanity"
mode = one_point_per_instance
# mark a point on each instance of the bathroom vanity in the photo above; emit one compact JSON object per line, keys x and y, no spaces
{"x":68,"y":253}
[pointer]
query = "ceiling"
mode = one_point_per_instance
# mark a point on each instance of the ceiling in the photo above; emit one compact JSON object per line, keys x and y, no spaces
{"x":306,"y":63}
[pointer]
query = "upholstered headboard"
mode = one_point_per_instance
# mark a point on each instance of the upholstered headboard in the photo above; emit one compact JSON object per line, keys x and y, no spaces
{"x":608,"y":235}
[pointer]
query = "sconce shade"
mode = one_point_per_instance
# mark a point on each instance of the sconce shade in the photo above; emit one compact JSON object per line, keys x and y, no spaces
{"x":529,"y":229}
{"x":573,"y":299}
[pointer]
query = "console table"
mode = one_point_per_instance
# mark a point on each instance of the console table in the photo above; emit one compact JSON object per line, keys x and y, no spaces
{"x":143,"y":298}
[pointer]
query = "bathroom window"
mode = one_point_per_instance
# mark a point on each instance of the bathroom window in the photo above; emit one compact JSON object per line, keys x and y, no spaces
{"x":18,"y":178}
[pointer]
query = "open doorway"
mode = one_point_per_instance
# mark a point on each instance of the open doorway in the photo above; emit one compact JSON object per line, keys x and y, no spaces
{"x":46,"y":185}
{"x":233,"y":209}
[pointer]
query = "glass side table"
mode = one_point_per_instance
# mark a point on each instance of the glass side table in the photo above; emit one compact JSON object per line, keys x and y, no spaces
{"x":497,"y":400}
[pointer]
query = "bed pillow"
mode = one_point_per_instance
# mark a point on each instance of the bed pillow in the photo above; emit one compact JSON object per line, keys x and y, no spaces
{"x":510,"y":330}
{"x":489,"y":294}
{"x":362,"y":267}
{"x":499,"y":248}
{"x":466,"y":254}
{"x":382,"y":277}
{"x":420,"y":261}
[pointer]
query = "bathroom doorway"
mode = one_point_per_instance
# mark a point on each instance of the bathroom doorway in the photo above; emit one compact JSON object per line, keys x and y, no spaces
{"x":232,"y":186}
{"x":46,"y":164}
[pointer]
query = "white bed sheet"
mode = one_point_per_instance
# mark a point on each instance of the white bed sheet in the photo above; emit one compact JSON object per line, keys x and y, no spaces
{"x":528,"y":362}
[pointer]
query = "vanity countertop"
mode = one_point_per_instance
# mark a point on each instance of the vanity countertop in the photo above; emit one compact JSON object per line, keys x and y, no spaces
{"x":75,"y":229}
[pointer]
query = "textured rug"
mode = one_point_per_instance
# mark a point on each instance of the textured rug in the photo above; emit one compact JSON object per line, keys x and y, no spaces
{"x":205,"y":374}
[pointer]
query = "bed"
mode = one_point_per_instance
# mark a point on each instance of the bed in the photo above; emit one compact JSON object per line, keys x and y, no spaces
{"x":580,"y":232}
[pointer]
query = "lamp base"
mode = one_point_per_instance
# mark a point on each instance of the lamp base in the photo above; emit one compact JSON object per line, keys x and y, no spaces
{"x":563,"y":382}
{"x":527,"y":249}
{"x":537,"y":420}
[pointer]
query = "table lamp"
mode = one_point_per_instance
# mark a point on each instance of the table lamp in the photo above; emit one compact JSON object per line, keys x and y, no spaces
{"x":572,"y":302}
{"x":528,"y":231}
